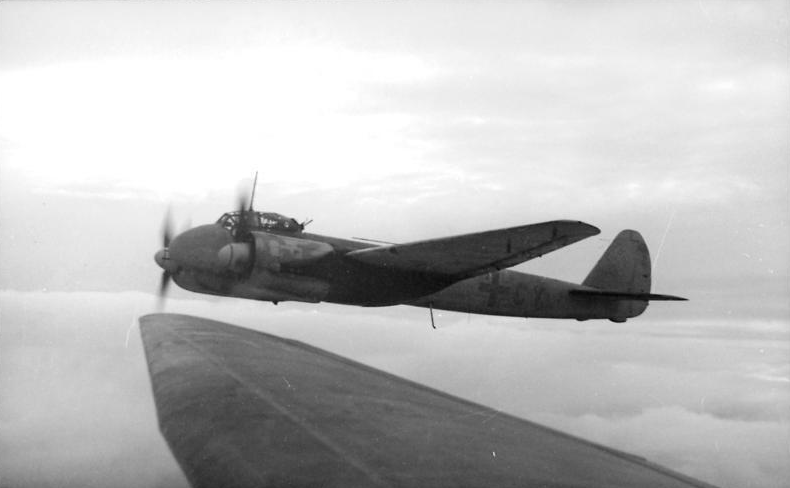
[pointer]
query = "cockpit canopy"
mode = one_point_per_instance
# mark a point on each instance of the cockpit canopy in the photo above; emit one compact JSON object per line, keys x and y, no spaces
{"x":265,"y":221}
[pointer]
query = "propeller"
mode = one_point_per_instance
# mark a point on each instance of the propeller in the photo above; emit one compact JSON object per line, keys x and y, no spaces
{"x":237,"y":256}
{"x":164,"y":283}
{"x":167,"y":229}
{"x":242,"y":229}
{"x":164,"y":254}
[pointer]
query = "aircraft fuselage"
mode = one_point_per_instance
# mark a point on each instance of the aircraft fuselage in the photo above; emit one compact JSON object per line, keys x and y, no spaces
{"x":323,"y":273}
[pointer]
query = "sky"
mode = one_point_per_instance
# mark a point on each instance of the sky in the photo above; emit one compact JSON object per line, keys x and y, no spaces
{"x":401,"y":121}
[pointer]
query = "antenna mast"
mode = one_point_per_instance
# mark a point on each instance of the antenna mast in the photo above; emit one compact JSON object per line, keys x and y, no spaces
{"x":254,"y":184}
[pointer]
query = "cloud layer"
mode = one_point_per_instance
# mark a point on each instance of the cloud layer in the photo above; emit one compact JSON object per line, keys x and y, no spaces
{"x":77,"y":406}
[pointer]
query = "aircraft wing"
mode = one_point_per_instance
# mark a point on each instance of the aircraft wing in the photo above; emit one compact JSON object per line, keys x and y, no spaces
{"x":245,"y":409}
{"x":470,"y":255}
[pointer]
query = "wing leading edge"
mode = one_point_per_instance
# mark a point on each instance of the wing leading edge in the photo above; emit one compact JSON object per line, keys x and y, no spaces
{"x":470,"y":255}
{"x":242,"y":408}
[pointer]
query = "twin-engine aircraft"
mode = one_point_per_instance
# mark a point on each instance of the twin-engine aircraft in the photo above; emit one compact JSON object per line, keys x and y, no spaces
{"x":267,"y":256}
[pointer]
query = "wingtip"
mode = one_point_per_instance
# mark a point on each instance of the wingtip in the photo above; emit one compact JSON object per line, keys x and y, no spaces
{"x":666,"y":298}
{"x":580,"y":227}
{"x":593,"y":230}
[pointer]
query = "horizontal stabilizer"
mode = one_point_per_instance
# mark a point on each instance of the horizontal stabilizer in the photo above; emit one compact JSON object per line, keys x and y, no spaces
{"x":624,"y":295}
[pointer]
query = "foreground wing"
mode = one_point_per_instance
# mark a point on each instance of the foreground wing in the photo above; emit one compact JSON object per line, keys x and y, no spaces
{"x":474,"y":254}
{"x":241,"y":408}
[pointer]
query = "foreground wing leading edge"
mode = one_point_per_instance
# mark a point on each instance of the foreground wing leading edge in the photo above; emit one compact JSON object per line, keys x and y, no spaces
{"x":470,"y":255}
{"x":242,"y":408}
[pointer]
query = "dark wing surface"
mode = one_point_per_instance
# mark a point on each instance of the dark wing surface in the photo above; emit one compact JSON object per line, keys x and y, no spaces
{"x":245,"y":409}
{"x":470,"y":255}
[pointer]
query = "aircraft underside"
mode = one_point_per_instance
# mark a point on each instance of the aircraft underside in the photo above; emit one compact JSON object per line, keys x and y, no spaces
{"x":504,"y":293}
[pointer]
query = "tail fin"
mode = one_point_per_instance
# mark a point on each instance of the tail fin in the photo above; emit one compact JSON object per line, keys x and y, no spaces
{"x":623,"y":272}
{"x":624,"y":267}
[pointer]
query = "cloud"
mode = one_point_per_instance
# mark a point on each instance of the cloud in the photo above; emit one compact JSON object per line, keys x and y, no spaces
{"x":482,"y":98}
{"x":125,"y":122}
{"x":720,"y":451}
{"x":76,"y":408}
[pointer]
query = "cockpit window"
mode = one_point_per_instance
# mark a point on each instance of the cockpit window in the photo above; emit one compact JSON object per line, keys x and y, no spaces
{"x":265,"y":221}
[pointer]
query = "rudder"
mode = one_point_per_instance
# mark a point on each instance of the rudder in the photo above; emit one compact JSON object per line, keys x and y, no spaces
{"x":622,"y":277}
{"x":624,"y":266}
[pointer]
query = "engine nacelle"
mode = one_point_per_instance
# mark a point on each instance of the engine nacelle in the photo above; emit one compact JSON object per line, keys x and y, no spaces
{"x":261,"y":263}
{"x":269,"y":286}
{"x":234,"y":257}
{"x":272,"y":252}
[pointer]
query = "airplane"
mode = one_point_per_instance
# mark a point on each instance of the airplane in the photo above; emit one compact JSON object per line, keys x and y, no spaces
{"x":269,"y":257}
